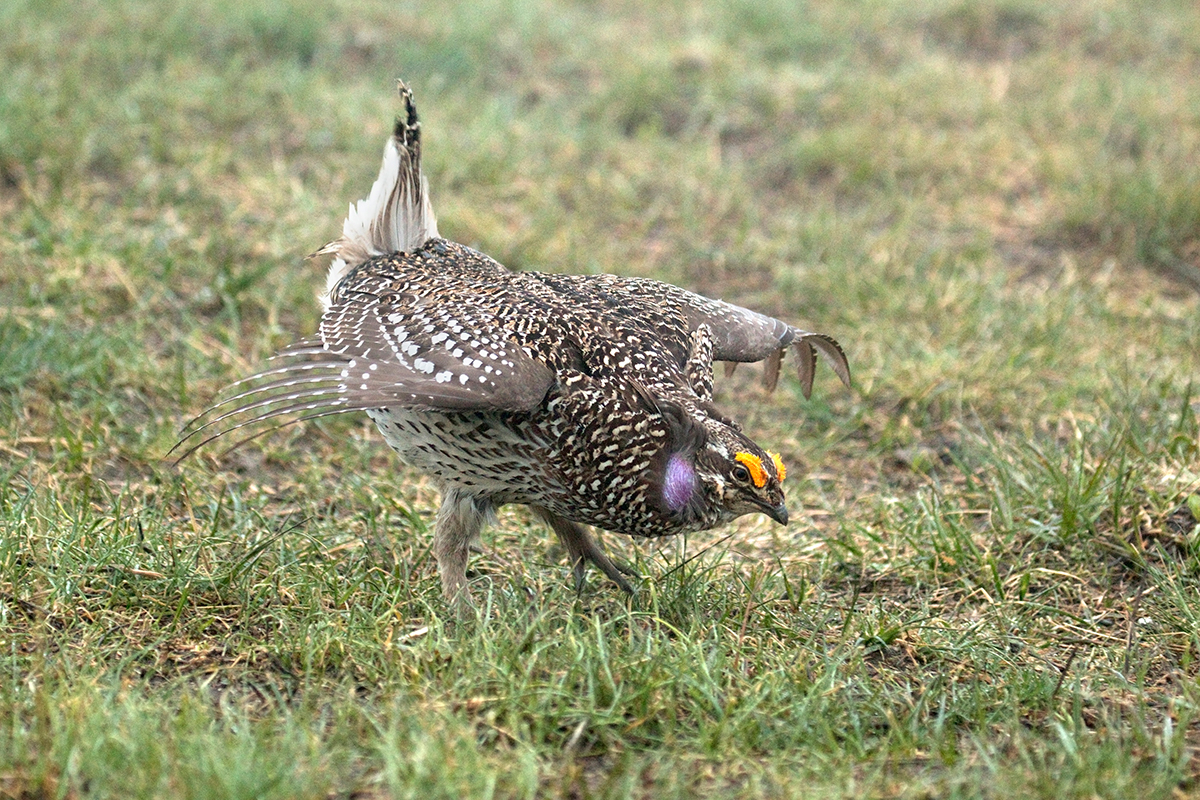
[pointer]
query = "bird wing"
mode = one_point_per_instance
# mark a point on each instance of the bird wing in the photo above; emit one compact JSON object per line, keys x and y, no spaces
{"x":741,"y":335}
{"x":433,"y":351}
{"x":390,"y":349}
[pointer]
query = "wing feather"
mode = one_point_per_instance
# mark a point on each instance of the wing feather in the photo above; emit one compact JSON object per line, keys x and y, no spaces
{"x":384,"y":351}
{"x":739,"y":335}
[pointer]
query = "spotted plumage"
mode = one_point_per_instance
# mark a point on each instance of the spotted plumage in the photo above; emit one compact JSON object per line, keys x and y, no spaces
{"x":587,"y":398}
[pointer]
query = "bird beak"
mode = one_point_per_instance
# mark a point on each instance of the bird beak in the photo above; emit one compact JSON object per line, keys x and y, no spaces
{"x":778,"y":513}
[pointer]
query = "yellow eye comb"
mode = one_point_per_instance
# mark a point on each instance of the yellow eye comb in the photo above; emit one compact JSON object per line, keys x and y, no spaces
{"x":753,"y":463}
{"x":780,"y":469}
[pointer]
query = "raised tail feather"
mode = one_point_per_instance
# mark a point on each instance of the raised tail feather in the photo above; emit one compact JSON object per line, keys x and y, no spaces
{"x":397,"y":215}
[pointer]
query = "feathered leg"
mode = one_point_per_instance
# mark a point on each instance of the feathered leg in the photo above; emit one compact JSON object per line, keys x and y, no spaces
{"x":459,"y":521}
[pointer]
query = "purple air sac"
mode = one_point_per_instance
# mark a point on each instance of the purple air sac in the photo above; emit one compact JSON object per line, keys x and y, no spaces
{"x":680,"y":483}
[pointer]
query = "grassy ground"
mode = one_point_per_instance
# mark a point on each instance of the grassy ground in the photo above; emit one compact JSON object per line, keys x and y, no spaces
{"x":990,"y":585}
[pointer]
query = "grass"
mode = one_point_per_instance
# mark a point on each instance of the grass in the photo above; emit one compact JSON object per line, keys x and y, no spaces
{"x":990,"y":585}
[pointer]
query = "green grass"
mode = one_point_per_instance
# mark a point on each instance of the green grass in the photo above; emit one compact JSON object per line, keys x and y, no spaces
{"x":991,"y":585}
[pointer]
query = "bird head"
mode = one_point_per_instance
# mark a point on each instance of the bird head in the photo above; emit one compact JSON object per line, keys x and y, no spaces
{"x":714,"y":473}
{"x":741,"y":477}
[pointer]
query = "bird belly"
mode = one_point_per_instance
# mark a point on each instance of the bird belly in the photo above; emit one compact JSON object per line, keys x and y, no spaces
{"x":475,"y":451}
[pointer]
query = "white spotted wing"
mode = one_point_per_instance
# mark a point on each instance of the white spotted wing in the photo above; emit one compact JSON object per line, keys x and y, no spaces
{"x":390,"y":349}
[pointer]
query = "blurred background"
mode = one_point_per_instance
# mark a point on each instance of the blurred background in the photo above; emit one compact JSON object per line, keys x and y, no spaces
{"x":994,"y":205}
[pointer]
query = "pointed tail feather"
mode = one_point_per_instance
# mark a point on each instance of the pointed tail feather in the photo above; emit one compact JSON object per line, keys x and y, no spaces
{"x":397,"y":215}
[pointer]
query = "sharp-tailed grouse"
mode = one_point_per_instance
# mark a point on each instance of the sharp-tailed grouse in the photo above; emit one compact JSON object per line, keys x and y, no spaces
{"x":587,"y":398}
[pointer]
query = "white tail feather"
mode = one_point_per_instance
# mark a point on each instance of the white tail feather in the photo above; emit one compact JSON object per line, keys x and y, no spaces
{"x":397,"y":215}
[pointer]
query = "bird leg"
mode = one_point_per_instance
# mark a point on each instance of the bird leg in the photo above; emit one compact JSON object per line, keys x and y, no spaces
{"x":459,"y":521}
{"x":582,"y":548}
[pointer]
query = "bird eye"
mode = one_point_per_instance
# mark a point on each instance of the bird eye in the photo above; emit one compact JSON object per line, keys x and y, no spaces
{"x":742,"y":474}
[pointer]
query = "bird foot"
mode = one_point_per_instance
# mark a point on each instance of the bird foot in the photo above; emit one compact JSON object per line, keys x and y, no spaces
{"x":614,"y":569}
{"x":582,"y":548}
